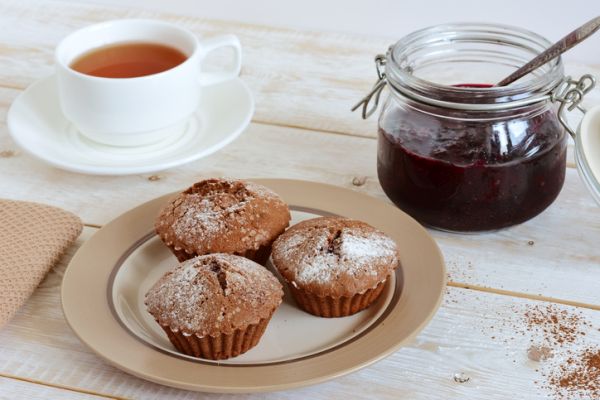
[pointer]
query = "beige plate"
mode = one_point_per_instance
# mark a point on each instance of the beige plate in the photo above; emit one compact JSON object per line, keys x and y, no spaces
{"x":105,"y":283}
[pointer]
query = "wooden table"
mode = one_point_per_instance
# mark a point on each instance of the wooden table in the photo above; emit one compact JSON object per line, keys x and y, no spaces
{"x":304,"y":85}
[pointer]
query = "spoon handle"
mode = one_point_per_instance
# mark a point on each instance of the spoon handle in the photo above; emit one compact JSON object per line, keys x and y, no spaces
{"x":564,"y":44}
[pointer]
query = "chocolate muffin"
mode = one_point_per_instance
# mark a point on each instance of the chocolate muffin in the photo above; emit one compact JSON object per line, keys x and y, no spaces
{"x":335,"y":266}
{"x":215,"y":306}
{"x":223,"y":216}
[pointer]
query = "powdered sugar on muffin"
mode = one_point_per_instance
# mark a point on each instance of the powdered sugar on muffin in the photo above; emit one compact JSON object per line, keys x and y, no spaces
{"x":221,"y":215}
{"x":214,"y":294}
{"x":335,"y":256}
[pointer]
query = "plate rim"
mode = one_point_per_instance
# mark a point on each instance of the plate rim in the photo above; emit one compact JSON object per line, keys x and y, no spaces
{"x":197,"y":385}
{"x":148,"y":166}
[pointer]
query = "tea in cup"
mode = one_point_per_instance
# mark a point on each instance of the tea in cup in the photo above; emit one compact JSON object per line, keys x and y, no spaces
{"x":135,"y":82}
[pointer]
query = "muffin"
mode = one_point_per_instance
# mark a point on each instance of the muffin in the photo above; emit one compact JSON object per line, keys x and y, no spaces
{"x":223,"y":216}
{"x":215,"y":306}
{"x":335,"y":266}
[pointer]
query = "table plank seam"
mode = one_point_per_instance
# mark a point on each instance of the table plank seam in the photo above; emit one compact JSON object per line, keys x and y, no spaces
{"x":488,"y":289}
{"x":307,"y":128}
{"x":59,"y":386}
{"x":255,"y":121}
{"x":14,"y":87}
{"x":310,"y":129}
{"x":334,"y":132}
{"x":521,"y":295}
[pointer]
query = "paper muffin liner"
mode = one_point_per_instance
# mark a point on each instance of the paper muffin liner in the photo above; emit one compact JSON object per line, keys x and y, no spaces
{"x":333,"y":307}
{"x":260,"y":256}
{"x":218,"y":347}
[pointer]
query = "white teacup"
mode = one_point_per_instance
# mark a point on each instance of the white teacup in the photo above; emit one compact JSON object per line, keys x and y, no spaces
{"x":140,"y":110}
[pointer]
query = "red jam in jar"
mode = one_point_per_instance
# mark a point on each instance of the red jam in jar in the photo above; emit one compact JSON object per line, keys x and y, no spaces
{"x":470,"y":157}
{"x":471,"y":176}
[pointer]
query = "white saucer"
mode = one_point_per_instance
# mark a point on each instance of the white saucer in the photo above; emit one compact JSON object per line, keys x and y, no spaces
{"x":37,"y":124}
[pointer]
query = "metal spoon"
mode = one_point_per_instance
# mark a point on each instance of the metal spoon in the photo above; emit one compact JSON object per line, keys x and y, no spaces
{"x":564,"y":44}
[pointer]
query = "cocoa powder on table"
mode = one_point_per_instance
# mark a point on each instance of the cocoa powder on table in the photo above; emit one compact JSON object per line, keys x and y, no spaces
{"x":557,"y":326}
{"x":569,"y":366}
{"x":578,"y":377}
{"x":573,"y":373}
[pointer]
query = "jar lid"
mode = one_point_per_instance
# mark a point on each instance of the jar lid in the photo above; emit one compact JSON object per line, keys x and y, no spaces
{"x":587,"y":151}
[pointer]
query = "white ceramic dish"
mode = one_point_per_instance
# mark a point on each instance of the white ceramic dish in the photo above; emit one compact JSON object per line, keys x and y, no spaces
{"x":587,"y":151}
{"x":37,"y":124}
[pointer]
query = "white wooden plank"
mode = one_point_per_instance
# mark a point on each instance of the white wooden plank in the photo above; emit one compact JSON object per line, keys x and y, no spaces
{"x":563,"y":263}
{"x":363,"y":18}
{"x":302,"y":79}
{"x":279,"y":64}
{"x":479,"y":334}
{"x":13,"y":389}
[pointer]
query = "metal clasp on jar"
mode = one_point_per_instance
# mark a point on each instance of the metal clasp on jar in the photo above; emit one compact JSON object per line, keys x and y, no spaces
{"x":569,"y":94}
{"x":375,"y":93}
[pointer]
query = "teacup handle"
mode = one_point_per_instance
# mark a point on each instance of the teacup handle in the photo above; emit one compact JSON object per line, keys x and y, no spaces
{"x":209,"y":45}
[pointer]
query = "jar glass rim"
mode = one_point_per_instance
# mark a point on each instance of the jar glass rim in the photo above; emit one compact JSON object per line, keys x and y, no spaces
{"x":535,"y":88}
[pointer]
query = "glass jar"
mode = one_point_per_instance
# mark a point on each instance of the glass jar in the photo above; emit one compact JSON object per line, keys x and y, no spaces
{"x":457,"y":153}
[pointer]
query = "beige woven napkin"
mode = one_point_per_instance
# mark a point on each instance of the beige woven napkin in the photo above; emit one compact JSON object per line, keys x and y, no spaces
{"x":33,"y":237}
